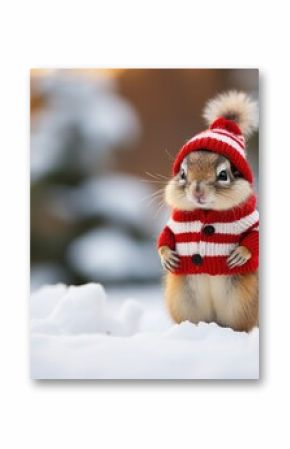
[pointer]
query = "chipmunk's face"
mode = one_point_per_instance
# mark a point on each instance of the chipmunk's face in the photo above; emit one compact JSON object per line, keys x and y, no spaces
{"x":206,"y":180}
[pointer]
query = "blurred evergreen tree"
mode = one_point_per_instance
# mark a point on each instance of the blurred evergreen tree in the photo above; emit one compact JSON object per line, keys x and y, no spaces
{"x":78,"y":125}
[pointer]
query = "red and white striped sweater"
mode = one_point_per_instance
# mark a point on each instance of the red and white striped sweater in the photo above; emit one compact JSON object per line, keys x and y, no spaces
{"x":204,"y":239}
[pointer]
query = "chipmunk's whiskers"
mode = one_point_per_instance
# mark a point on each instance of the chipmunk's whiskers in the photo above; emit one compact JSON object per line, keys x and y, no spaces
{"x":157,"y":176}
{"x":161,"y":205}
{"x":152,"y":196}
{"x":171,"y":157}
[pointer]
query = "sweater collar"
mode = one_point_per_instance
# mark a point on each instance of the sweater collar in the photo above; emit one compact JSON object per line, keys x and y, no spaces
{"x":205,"y":215}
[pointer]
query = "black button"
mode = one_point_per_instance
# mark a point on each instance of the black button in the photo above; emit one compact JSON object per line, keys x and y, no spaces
{"x":209,"y":230}
{"x":197,"y":259}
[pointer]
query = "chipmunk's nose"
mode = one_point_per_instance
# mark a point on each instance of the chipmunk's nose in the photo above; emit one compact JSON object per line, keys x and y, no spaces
{"x":199,"y":193}
{"x":200,"y":197}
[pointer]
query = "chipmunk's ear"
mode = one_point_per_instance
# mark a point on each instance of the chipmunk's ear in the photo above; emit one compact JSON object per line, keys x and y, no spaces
{"x":235,"y":106}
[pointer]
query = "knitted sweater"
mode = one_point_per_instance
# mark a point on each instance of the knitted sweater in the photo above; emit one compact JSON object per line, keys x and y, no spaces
{"x":204,"y":239}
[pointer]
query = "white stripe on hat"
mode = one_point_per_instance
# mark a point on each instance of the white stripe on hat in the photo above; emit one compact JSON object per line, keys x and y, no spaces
{"x":240,"y":138}
{"x":221,"y":138}
{"x":233,"y":227}
{"x":205,"y":248}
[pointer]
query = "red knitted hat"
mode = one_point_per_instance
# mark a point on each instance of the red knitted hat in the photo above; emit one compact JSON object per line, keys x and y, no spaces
{"x":224,"y":136}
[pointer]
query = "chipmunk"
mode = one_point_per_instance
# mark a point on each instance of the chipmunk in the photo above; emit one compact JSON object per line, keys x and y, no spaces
{"x":209,"y":246}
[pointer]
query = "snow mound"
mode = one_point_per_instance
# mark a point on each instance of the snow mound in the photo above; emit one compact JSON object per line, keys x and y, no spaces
{"x":84,"y":310}
{"x":44,"y":300}
{"x":80,"y":334}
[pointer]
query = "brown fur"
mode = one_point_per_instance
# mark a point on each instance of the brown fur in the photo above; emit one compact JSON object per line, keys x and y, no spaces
{"x":230,"y":301}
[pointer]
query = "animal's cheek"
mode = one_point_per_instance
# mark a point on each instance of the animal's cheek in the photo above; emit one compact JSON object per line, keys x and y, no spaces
{"x":187,"y":192}
{"x":218,"y":190}
{"x":210,"y":191}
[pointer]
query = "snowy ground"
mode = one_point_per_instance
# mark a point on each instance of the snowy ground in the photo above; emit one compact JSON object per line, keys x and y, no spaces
{"x":87,"y":333}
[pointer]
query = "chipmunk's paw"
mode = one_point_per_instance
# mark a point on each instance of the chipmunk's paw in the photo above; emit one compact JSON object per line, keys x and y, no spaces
{"x":169,"y":258}
{"x":239,"y":257}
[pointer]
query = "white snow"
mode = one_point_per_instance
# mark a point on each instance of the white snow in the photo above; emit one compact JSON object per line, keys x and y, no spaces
{"x":83,"y":310}
{"x":80,"y":333}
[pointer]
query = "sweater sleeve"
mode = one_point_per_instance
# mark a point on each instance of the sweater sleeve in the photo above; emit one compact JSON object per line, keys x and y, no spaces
{"x":250,"y":239}
{"x":166,"y":238}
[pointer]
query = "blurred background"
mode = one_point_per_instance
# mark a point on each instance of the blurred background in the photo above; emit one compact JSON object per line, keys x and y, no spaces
{"x":99,"y":140}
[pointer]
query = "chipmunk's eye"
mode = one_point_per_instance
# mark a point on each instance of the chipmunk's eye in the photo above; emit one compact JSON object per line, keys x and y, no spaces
{"x":222,"y":176}
{"x":182,"y":175}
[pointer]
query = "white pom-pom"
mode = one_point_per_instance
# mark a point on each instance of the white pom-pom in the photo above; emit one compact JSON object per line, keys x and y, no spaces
{"x":236,"y":106}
